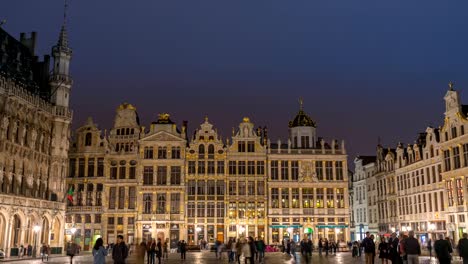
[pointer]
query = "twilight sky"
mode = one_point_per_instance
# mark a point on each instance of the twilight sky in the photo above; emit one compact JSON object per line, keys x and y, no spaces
{"x":365,"y":68}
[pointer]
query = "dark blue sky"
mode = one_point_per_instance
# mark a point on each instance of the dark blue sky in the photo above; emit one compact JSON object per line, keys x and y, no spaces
{"x":365,"y":68}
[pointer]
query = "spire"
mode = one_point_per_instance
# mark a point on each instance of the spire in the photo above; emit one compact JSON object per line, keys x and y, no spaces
{"x":62,"y":43}
{"x":301,"y":104}
{"x":450,"y":85}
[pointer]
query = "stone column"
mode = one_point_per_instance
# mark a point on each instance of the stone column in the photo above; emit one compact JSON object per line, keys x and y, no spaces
{"x":7,"y":238}
{"x":334,"y":171}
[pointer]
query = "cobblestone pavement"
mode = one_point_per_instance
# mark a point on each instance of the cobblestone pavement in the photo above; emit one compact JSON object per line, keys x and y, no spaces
{"x":209,"y":258}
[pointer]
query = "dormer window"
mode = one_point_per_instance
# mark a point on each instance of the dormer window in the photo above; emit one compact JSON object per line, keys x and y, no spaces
{"x":88,"y":139}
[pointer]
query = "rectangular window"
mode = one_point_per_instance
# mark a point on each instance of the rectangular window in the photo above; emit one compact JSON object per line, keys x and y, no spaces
{"x":274,"y":197}
{"x":97,"y":219}
{"x":447,"y":160}
{"x":439,"y":172}
{"x":460,"y":199}
{"x":113,"y":172}
{"x":211,"y":187}
{"x":148,"y":154}
{"x":201,"y":188}
{"x":210,"y":210}
{"x":91,"y":167}
{"x":454,"y":132}
{"x":436,"y":203}
{"x":232,"y":188}
{"x":260,"y":167}
{"x":162,"y":153}
{"x":330,"y":198}
{"x":241,"y":167}
{"x":201,"y":167}
{"x":121,"y":197}
{"x":72,"y":168}
{"x":175,"y":175}
{"x":191,"y":209}
{"x":191,"y":187}
{"x":307,"y":197}
{"x":132,"y":172}
{"x":456,"y":158}
{"x":220,"y":187}
{"x":100,"y":167}
{"x":260,"y":188}
{"x":250,"y":146}
{"x":161,"y":208}
{"x":175,"y":203}
{"x":232,"y":167}
{"x":320,"y":197}
{"x":329,"y":170}
{"x":220,"y":209}
{"x":274,"y":170}
{"x":161,"y":177}
{"x":112,"y":197}
{"x":241,"y":187}
{"x":220,"y":169}
{"x":175,"y":153}
{"x":122,"y":172}
{"x":120,"y":220}
{"x":441,"y":197}
{"x":250,"y":188}
{"x":251,"y":167}
{"x":241,"y":210}
{"x":284,"y":170}
{"x":295,"y":197}
{"x":285,"y":198}
{"x":251,"y":210}
{"x":131,"y":197}
{"x":429,"y":196}
{"x":147,"y":203}
{"x":294,"y":170}
{"x":241,"y":146}
{"x":200,"y":209}
{"x":339,"y":170}
{"x":191,"y":167}
{"x":465,"y":154}
{"x":81,"y":167}
{"x":147,"y":175}
{"x":449,"y":187}
{"x":211,"y":167}
{"x":131,"y":220}
{"x":319,"y":170}
{"x":340,"y":198}
{"x":110,"y":220}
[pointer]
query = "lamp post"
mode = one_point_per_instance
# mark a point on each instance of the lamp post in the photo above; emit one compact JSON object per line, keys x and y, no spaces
{"x":36,"y":229}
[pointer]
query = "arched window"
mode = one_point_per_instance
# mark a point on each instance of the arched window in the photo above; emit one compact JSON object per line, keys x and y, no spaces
{"x":161,"y":204}
{"x":211,"y":151}
{"x":88,"y":139}
{"x":201,"y":151}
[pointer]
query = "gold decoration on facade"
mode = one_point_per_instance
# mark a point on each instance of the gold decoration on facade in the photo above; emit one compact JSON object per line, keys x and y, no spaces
{"x":246,"y":120}
{"x":163,"y":116}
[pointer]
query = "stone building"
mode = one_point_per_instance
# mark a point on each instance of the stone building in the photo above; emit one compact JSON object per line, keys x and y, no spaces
{"x":364,"y":168}
{"x":454,"y":159}
{"x":34,"y":141}
{"x":163,"y":184}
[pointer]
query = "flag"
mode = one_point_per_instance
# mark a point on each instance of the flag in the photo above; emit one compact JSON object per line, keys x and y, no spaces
{"x":70,"y":194}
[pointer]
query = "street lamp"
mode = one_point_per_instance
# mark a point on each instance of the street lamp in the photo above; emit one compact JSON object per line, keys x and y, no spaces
{"x":36,"y":229}
{"x":73,"y":230}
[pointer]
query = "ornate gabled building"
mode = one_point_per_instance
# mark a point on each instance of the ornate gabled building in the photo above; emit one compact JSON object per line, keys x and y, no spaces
{"x":159,"y":183}
{"x":34,"y":141}
{"x":454,"y":159}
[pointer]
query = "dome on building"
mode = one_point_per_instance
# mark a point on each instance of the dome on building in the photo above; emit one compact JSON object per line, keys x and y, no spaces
{"x":302,"y":119}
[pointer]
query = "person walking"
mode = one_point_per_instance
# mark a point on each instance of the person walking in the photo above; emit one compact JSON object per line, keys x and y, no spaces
{"x":120,"y":251}
{"x":166,"y":249}
{"x":305,"y":248}
{"x":260,"y":249}
{"x":442,"y":249}
{"x":141,"y":252}
{"x":45,"y":252}
{"x":239,"y":249}
{"x":411,"y":248}
{"x":463,"y":248}
{"x":152,"y":251}
{"x":99,"y":252}
{"x":72,"y":250}
{"x":320,"y":246}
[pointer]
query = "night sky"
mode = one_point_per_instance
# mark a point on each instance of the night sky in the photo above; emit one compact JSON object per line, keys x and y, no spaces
{"x":365,"y":68}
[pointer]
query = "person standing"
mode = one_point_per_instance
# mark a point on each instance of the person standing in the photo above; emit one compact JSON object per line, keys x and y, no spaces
{"x":140,"y":252}
{"x":393,"y":249}
{"x":260,"y":249}
{"x":369,"y":248}
{"x":45,"y":252}
{"x":383,"y":250}
{"x":443,"y":249}
{"x":166,"y":249}
{"x":429,"y":247}
{"x":463,"y":248}
{"x":99,"y":252}
{"x":120,"y":251}
{"x":320,"y":246}
{"x":159,"y":250}
{"x":182,"y":249}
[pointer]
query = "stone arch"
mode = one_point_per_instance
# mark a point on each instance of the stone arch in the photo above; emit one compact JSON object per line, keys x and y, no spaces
{"x":45,"y":230}
{"x":56,"y":232}
{"x":16,"y":230}
{"x":3,"y":229}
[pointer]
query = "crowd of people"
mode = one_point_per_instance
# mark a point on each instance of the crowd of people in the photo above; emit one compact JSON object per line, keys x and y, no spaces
{"x":406,"y":249}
